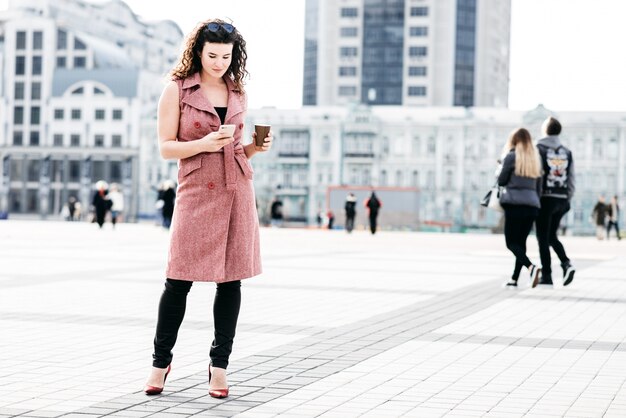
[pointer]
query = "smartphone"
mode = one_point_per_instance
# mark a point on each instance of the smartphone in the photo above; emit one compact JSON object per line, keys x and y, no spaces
{"x":227,"y":130}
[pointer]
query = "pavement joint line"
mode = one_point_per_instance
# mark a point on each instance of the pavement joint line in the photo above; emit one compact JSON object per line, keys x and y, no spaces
{"x":471,"y":299}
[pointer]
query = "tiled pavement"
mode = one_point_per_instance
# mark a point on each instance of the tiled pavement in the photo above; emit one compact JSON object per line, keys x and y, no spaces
{"x":397,"y":324}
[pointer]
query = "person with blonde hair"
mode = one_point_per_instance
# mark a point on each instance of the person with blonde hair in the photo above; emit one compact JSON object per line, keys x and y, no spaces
{"x":520,"y":179}
{"x":214,"y":235}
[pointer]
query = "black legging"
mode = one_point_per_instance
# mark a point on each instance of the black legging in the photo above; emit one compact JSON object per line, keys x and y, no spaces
{"x":172,"y":311}
{"x":516,"y":230}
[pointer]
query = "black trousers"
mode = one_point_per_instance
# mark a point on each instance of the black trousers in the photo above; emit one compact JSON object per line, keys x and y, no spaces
{"x":517,"y":226}
{"x":172,"y":311}
{"x":550,"y":214}
{"x":349,"y":222}
{"x":373,"y":216}
{"x":608,"y":229}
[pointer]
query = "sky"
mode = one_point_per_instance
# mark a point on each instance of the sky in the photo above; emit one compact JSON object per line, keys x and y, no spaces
{"x":565,"y":54}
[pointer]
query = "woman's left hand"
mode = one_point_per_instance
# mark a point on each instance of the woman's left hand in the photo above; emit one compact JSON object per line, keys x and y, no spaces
{"x":267,"y":143}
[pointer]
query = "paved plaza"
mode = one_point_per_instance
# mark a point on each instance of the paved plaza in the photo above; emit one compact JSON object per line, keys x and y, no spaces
{"x":396,"y":324}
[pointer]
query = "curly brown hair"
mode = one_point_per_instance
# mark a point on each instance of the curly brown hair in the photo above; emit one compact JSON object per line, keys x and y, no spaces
{"x":190,"y":63}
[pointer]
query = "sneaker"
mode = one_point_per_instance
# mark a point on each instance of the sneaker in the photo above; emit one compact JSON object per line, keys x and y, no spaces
{"x":534,"y":272}
{"x":568,"y":273}
{"x":511,"y":283}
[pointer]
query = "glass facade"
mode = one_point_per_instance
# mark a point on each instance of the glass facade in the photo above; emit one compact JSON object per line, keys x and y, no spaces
{"x":465,"y":53}
{"x":383,"y":43}
{"x":309,"y":85}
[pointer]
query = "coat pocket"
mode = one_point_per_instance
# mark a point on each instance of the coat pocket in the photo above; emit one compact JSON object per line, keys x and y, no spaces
{"x":188,"y":165}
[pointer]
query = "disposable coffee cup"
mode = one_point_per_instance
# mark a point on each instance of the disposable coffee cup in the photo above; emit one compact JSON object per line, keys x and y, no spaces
{"x":261,"y":133}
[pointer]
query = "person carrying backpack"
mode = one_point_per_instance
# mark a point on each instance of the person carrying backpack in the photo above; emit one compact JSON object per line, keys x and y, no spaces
{"x":558,"y":189}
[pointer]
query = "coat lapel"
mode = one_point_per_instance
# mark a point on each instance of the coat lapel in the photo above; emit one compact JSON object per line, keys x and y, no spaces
{"x":236,"y":101}
{"x":196,"y":99}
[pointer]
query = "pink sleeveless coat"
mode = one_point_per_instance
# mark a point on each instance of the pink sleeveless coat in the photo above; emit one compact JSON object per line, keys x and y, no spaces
{"x":215,"y":227}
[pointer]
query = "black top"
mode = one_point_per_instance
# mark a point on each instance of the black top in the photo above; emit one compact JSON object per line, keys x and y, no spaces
{"x":221,"y":112}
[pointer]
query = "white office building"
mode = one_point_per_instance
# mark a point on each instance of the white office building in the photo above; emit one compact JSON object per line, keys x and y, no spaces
{"x":79,"y":80}
{"x":447,"y":156}
{"x":407,"y":52}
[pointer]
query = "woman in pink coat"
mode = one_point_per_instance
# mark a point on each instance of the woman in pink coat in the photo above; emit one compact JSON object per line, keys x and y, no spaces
{"x":215,"y":230}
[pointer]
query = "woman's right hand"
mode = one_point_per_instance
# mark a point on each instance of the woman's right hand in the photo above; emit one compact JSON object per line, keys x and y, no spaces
{"x":214,"y":141}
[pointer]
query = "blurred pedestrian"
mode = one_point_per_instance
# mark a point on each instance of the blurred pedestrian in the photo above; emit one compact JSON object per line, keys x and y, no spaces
{"x":101,"y":202}
{"x":373,"y":204}
{"x":613,"y":214}
{"x":521,"y":180}
{"x":117,"y":203}
{"x":78,"y":210}
{"x":331,"y":219}
{"x":557,"y":190}
{"x":71,"y":208}
{"x":276,"y":213}
{"x":598,"y":216}
{"x":350,"y":208}
{"x":168,"y":196}
{"x":215,"y":228}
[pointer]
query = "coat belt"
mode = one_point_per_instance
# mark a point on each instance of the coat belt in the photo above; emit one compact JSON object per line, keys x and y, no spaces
{"x":232,"y":153}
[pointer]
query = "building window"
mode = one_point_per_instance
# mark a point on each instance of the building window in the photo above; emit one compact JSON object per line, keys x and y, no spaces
{"x":58,"y":140}
{"x":80,"y":62}
{"x":61,"y":39}
{"x":399,"y":178}
{"x":34,"y":138}
{"x":74,"y":171}
{"x":117,"y":114}
{"x":75,"y":140}
{"x":349,"y":32}
{"x":20,"y":65}
{"x":347,"y":90}
{"x":59,"y":114}
{"x":76,"y":114}
{"x":61,"y":62}
{"x":78,"y":44}
{"x":432,"y":146}
{"x":383,"y":178}
{"x":35,"y":91}
{"x":349,"y":12}
{"x":417,"y":91}
{"x":98,"y":141}
{"x":37,"y":40}
{"x":20,"y":40}
{"x":348,"y":51}
{"x":100,"y":114}
{"x":33,"y":168}
{"x":115,"y":169}
{"x":116,"y":141}
{"x":415,"y":179}
{"x":347,"y":71}
{"x":418,"y":31}
{"x":19,"y":90}
{"x":18,"y":137}
{"x":37,"y":65}
{"x":418,"y":51}
{"x":419,"y":11}
{"x":18,"y":115}
{"x":35,"y":113}
{"x":417,"y":71}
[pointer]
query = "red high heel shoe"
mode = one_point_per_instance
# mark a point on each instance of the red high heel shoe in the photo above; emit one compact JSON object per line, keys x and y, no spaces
{"x":154,"y":390}
{"x":216,"y":393}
